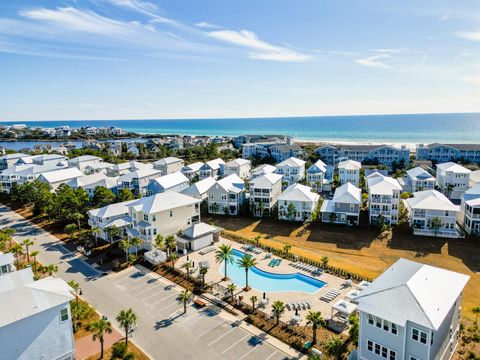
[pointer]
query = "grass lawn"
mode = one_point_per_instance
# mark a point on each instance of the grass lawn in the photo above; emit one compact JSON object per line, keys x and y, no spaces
{"x":364,"y":250}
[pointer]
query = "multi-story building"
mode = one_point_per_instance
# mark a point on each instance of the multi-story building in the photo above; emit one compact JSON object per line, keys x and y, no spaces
{"x":441,"y":153}
{"x":213,"y":168}
{"x":171,"y":182}
{"x":6,"y":263}
{"x":35,"y":319}
{"x":226,"y":196}
{"x":192,"y":171}
{"x":58,"y":177}
{"x":410,"y":312}
{"x":9,"y":160}
{"x":137,"y":181}
{"x":126,"y":167}
{"x":316,"y":175}
{"x":262,"y":170}
{"x":349,"y":172}
{"x":169,"y":165}
{"x":419,"y":179}
{"x":344,"y":207}
{"x":297,"y":203}
{"x":248,"y":139}
{"x":281,"y":152}
{"x":383,"y":199}
{"x":264,"y":193}
{"x":453,"y":179}
{"x":240,"y":167}
{"x":470,"y":210}
{"x":430,"y":213}
{"x":292,"y":170}
{"x":113,"y":215}
{"x":199,"y":190}
{"x":80,"y":162}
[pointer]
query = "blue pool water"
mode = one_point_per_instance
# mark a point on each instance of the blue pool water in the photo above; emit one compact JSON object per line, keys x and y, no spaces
{"x":269,"y":282}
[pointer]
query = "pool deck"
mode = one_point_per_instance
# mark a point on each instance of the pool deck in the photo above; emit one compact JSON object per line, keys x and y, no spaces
{"x":214,"y":275}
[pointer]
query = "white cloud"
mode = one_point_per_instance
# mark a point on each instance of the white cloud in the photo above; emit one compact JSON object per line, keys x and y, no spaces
{"x":207,"y":25}
{"x":469,"y":35}
{"x":374,"y":61}
{"x":388,"y":51}
{"x":136,"y":4}
{"x":264,"y":50}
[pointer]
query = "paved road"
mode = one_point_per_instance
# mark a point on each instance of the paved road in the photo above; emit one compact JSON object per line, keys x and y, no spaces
{"x":163,"y":330}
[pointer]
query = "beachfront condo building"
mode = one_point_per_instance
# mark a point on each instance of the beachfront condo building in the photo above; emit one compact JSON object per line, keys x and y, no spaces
{"x":238,"y":141}
{"x":470,"y":210}
{"x":137,"y":181}
{"x":240,"y":167}
{"x":349,"y":172}
{"x":383,"y":199}
{"x":169,"y":165}
{"x":264,"y":193}
{"x":316,"y":174}
{"x":430,"y":213}
{"x":419,"y":179}
{"x":441,"y":153}
{"x":453,"y":179}
{"x":292,"y":170}
{"x":297,"y":203}
{"x":371,"y":154}
{"x":410,"y":312}
{"x":279,"y":152}
{"x":344,"y":207}
{"x":213,"y":168}
{"x":35,"y":319}
{"x":226,"y":196}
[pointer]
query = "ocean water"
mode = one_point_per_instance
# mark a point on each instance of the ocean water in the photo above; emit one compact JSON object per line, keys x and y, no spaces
{"x":414,"y":128}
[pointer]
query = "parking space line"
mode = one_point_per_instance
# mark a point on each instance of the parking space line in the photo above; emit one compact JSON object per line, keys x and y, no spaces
{"x":162,"y":300}
{"x":228,"y":332}
{"x":148,"y":289}
{"x":252,"y":349}
{"x":234,"y":344}
{"x":274,"y":353}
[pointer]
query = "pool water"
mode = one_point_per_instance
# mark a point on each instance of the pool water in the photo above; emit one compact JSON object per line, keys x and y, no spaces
{"x":269,"y":282}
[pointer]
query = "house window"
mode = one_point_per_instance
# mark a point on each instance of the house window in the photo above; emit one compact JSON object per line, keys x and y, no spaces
{"x":384,"y":352}
{"x":4,"y":269}
{"x":154,"y":231}
{"x":393,"y":355}
{"x":386,"y":325}
{"x":394,"y":329}
{"x":145,"y":217}
{"x":379,"y":323}
{"x":64,"y":315}
{"x":413,"y":358}
{"x":171,"y":213}
{"x":154,"y":217}
{"x":352,"y":207}
{"x":370,"y":319}
{"x":420,"y":336}
{"x":369,"y":345}
{"x":377,"y":349}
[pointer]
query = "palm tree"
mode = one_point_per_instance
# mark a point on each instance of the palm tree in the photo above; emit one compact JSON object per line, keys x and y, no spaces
{"x":231,"y":289}
{"x":253,"y":299}
{"x":159,"y":241}
{"x":170,"y":243}
{"x":324,"y":261}
{"x":125,"y":245}
{"x":334,"y":347}
{"x":173,"y":257}
{"x":257,"y":240}
{"x":476,"y":311}
{"x":184,"y":297}
{"x":78,"y":217}
{"x":17,"y":249}
{"x":27,"y":243}
{"x":70,"y":230}
{"x":136,"y":242}
{"x":315,"y":319}
{"x":99,"y":328}
{"x":34,"y":255}
{"x":127,"y":320}
{"x":51,"y":269}
{"x":225,"y":254}
{"x":278,"y":308}
{"x":95,"y":231}
{"x":287,"y":248}
{"x":187,"y":265}
{"x":203,"y":272}
{"x":246,"y":262}
{"x":76,"y":287}
{"x":112,"y":232}
{"x":448,"y":189}
{"x":8,"y":235}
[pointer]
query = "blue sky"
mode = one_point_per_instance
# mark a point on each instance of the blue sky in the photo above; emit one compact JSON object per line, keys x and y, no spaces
{"x":127,"y":59}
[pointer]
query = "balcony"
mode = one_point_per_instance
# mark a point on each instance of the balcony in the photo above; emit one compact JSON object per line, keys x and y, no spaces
{"x":380,"y":211}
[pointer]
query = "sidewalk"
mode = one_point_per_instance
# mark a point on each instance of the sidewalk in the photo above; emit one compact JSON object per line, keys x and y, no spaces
{"x":86,"y":347}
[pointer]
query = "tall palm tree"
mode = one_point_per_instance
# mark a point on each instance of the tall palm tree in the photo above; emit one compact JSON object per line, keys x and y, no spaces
{"x":17,"y":249}
{"x":287,"y":248}
{"x":95,"y":231}
{"x":324,"y":261}
{"x":253,"y":299}
{"x":278,"y":308}
{"x":70,"y":230}
{"x":315,"y":319}
{"x":26,"y":243}
{"x":76,"y":287}
{"x":99,"y":328}
{"x":159,"y":241}
{"x":225,"y":254}
{"x":203,"y":272}
{"x":34,"y":255}
{"x":125,"y":245}
{"x":136,"y":242}
{"x":187,"y":265}
{"x":127,"y":320}
{"x":78,"y":217}
{"x":246,"y":262}
{"x":112,"y":232}
{"x":231,"y":289}
{"x":173,"y":258}
{"x":334,"y":347}
{"x":185,"y":297}
{"x":170,"y":243}
{"x":257,"y":239}
{"x":8,"y":235}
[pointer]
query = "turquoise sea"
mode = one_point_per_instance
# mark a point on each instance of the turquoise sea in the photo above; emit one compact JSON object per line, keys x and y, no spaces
{"x":414,"y":128}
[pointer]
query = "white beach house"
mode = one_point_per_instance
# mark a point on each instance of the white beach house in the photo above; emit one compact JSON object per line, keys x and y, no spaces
{"x":126,"y":167}
{"x":453,"y":179}
{"x":192,"y":171}
{"x":292,"y":170}
{"x":349,"y":172}
{"x":262,"y":170}
{"x":80,"y":162}
{"x":137,"y":181}
{"x":430,"y":213}
{"x":412,"y":312}
{"x":226,"y":196}
{"x":383,"y":199}
{"x":344,"y":207}
{"x":35,"y":319}
{"x":58,"y":177}
{"x":297,"y":203}
{"x":470,"y":210}
{"x":474,"y":178}
{"x":316,"y":175}
{"x":169,"y":165}
{"x":419,"y":179}
{"x":199,"y":190}
{"x":264,"y":193}
{"x":213,"y":168}
{"x":240,"y":167}
{"x":172,"y":182}
{"x":113,"y":215}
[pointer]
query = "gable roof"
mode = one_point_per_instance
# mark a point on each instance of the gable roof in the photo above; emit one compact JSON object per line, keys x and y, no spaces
{"x":213,"y":164}
{"x":348,"y":193}
{"x":430,"y":200}
{"x":112,"y":209}
{"x":231,"y":183}
{"x":419,"y":173}
{"x":86,"y":180}
{"x":193,"y":167}
{"x":139,"y":174}
{"x":200,"y":187}
{"x":450,"y":166}
{"x":266,"y":180}
{"x":238,"y":162}
{"x":317,"y":167}
{"x":168,"y":160}
{"x":383,"y":185}
{"x":349,"y":165}
{"x":61,"y":175}
{"x":298,"y":192}
{"x":200,"y":229}
{"x":171,"y":180}
{"x":264,"y":169}
{"x":292,"y":161}
{"x":472,"y":196}
{"x":410,"y":291}
{"x":162,"y":202}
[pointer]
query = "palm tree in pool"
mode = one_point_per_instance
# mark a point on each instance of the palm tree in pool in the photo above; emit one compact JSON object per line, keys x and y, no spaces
{"x":246,"y":262}
{"x":185,"y":297}
{"x":26,"y":243}
{"x":187,"y":265}
{"x":99,"y":328}
{"x":203,"y":272}
{"x":231,"y":289}
{"x":127,"y":320}
{"x":253,"y":299}
{"x":278,"y":308}
{"x":225,"y":254}
{"x":315,"y":319}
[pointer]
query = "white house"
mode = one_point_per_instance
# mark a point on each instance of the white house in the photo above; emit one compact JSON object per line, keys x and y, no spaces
{"x":297,"y":203}
{"x":292,"y":170}
{"x":349,"y":172}
{"x":126,"y":167}
{"x":199,"y":190}
{"x":172,"y":182}
{"x":192,"y":170}
{"x":470,"y":207}
{"x":80,"y":162}
{"x":169,"y":165}
{"x":226,"y":196}
{"x":474,"y":178}
{"x":164,"y":213}
{"x":344,"y":207}
{"x":59,"y":177}
{"x":316,"y":175}
{"x":85,"y":180}
{"x":427,"y":205}
{"x":9,"y":160}
{"x":419,"y":179}
{"x":110,"y":183}
{"x":412,"y":311}
{"x":453,"y":179}
{"x":262,"y":170}
{"x":197,"y":236}
{"x":117,"y":215}
{"x":137,"y":181}
{"x":240,"y":167}
{"x":213,"y":168}
{"x":35,"y":319}
{"x":383,"y":199}
{"x":264,"y":193}
{"x":6,"y":263}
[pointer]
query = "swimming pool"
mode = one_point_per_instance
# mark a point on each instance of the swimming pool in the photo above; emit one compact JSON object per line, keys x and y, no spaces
{"x":270,"y":282}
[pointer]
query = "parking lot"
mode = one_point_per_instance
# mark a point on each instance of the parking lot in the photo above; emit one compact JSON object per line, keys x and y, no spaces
{"x":203,"y":329}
